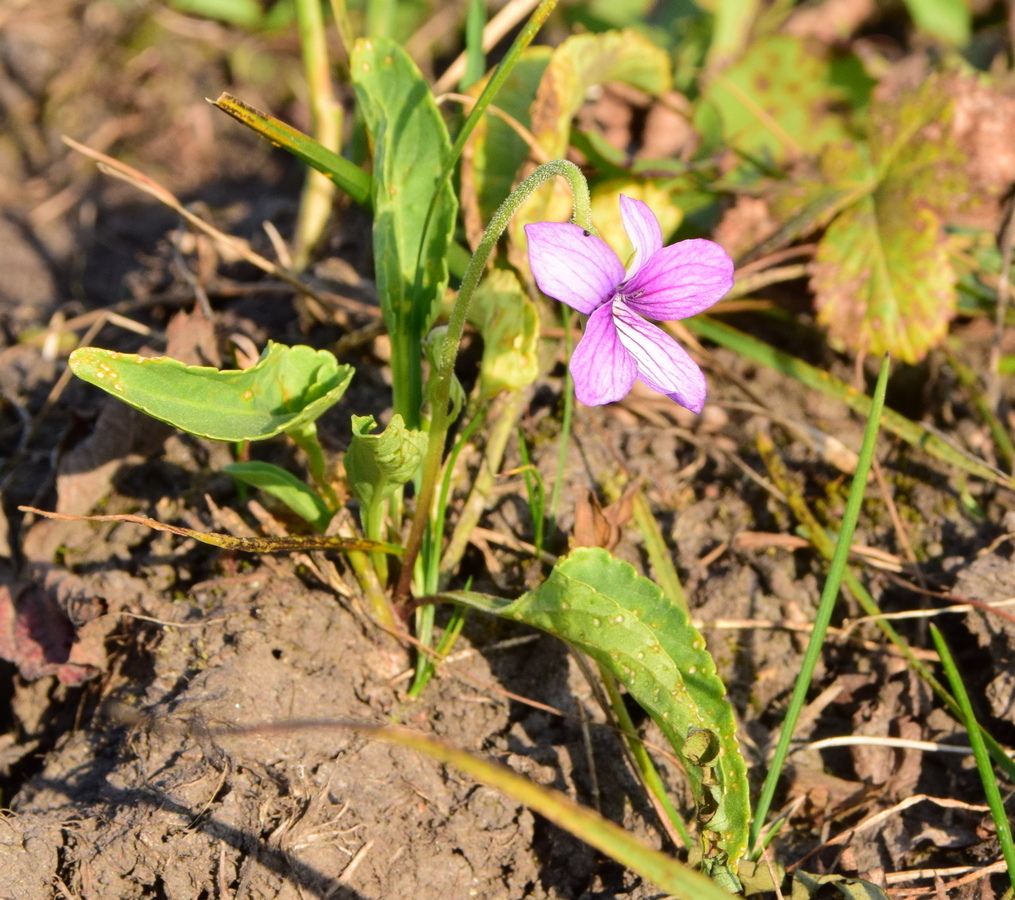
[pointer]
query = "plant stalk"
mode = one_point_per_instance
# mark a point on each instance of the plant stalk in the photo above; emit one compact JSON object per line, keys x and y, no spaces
{"x":318,"y":190}
{"x":440,"y":414}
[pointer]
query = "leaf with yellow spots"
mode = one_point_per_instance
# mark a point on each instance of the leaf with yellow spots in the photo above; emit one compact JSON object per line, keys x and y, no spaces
{"x":287,"y":389}
{"x":601,"y":606}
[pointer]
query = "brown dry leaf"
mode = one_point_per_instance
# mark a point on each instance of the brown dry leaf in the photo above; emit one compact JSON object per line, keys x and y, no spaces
{"x":744,"y":226}
{"x":595,"y":526}
{"x":37,"y":636}
{"x":85,"y":475}
{"x":668,"y":131}
{"x":983,"y":122}
{"x":190,"y":338}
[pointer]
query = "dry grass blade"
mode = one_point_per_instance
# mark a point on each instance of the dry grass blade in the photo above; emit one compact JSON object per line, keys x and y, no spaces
{"x":142,"y":182}
{"x":228,"y":542}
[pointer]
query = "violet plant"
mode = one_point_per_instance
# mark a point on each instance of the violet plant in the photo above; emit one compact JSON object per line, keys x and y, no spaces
{"x":599,"y":605}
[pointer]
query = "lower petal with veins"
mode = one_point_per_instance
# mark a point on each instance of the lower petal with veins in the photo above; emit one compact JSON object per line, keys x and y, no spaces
{"x":602,"y":368}
{"x":662,"y":363}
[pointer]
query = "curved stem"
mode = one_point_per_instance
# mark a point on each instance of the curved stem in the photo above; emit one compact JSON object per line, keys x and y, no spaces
{"x":440,"y":418}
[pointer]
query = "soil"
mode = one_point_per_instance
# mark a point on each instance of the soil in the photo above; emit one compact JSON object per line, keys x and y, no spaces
{"x":100,"y":622}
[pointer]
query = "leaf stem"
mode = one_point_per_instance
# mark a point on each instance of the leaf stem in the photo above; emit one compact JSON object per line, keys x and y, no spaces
{"x":440,"y":414}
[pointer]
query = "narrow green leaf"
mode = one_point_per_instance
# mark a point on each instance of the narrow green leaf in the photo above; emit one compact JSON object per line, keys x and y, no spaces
{"x":288,"y":387}
{"x":671,"y":876}
{"x":245,"y":13}
{"x":911,"y":432}
{"x":348,"y":176}
{"x":410,"y":149}
{"x":600,"y":605}
{"x":823,"y":617}
{"x":283,"y":486}
{"x":983,"y":766}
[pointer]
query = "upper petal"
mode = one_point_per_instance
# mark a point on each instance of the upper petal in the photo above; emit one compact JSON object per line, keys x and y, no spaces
{"x":642,"y":228}
{"x":572,"y":266}
{"x":662,"y":363}
{"x":602,"y":369}
{"x":680,"y":280}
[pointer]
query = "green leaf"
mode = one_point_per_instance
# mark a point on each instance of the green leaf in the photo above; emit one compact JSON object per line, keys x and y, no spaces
{"x":949,"y":20}
{"x":509,"y":322}
{"x":883,"y":277}
{"x":283,"y":486}
{"x":348,"y":176}
{"x":410,"y":147}
{"x":776,"y":102}
{"x":600,"y":605}
{"x":287,"y":388}
{"x":377,"y":464}
{"x":673,"y":877}
{"x":578,"y":65}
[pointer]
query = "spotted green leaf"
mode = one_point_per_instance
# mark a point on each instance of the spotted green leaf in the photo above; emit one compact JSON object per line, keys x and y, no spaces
{"x":509,"y":322}
{"x":286,"y":389}
{"x":776,"y":102}
{"x":601,"y":606}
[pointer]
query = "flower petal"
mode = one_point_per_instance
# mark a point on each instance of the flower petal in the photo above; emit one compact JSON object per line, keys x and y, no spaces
{"x":680,"y":280}
{"x":572,"y":266}
{"x":643,"y":229}
{"x":602,"y":369}
{"x":662,"y":363}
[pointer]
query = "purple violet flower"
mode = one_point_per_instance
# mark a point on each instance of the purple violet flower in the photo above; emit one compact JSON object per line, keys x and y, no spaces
{"x":662,"y":283}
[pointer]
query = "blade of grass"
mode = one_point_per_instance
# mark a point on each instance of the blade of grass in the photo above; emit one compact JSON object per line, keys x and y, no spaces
{"x":475,"y":58}
{"x":658,"y":553}
{"x":997,"y":810}
{"x":813,"y":377}
{"x":826,"y":547}
{"x":535,"y":491}
{"x":586,"y":824}
{"x":823,"y":616}
{"x":431,"y":568}
{"x":500,"y":75}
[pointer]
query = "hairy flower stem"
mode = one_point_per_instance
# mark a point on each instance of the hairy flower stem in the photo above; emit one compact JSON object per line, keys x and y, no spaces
{"x":440,"y":415}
